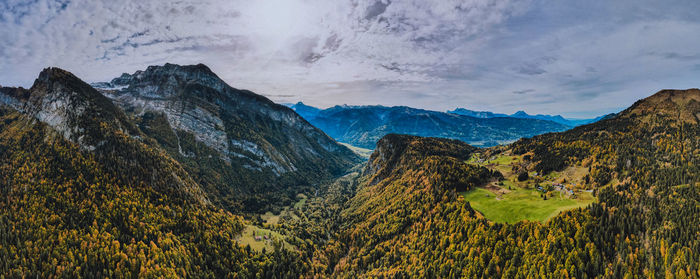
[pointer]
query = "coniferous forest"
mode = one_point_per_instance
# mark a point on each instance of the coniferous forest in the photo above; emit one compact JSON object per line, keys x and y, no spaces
{"x":90,"y":189}
{"x":350,"y":139}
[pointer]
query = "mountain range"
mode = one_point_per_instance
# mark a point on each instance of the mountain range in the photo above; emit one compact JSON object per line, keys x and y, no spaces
{"x":521,"y":114}
{"x":363,"y":126}
{"x":170,"y":172}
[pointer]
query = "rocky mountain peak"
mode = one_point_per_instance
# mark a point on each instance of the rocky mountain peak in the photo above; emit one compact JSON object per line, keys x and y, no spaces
{"x":520,"y":113}
{"x":166,"y":81}
{"x":54,"y":73}
{"x":55,"y":82}
{"x":73,"y":108}
{"x":195,"y":100}
{"x":197,"y":117}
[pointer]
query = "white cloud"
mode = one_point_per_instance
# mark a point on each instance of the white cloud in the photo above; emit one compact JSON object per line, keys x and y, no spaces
{"x":290,"y":38}
{"x":569,"y":56}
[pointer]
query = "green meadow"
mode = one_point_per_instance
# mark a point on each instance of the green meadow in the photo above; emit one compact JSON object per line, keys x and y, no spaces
{"x":522,"y":204}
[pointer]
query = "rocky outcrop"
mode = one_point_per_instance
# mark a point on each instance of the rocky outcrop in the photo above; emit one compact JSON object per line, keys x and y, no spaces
{"x":196,"y":101}
{"x":248,"y":153}
{"x":68,"y":107}
{"x":14,"y":97}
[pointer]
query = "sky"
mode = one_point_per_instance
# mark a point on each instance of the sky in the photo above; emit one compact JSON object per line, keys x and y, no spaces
{"x":570,"y":57}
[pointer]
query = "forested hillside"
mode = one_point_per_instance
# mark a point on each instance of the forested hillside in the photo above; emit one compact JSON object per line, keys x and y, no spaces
{"x":89,"y":190}
{"x":86,"y":197}
{"x":409,"y":221}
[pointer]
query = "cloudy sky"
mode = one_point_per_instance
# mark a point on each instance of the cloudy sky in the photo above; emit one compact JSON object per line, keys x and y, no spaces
{"x":575,"y":58}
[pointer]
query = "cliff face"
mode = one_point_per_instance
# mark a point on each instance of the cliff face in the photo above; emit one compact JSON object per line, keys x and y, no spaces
{"x":73,"y":108}
{"x":196,"y":101}
{"x":64,"y":107}
{"x":249,"y":144}
{"x":247,"y":153}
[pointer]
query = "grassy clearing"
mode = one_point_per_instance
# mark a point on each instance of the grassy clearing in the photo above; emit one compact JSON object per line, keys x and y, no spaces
{"x":270,"y":218}
{"x":506,"y":160}
{"x":500,"y":162}
{"x":513,"y":201}
{"x":302,"y":201}
{"x":573,"y":175}
{"x":247,"y":237}
{"x":522,"y":204}
{"x":363,"y":152}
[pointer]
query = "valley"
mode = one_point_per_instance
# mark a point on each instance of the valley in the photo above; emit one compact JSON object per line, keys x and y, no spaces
{"x":363,"y":152}
{"x":178,"y":189}
{"x":367,"y":139}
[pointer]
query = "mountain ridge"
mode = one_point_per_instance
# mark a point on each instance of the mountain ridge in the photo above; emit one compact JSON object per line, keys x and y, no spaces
{"x":81,"y":115}
{"x":668,"y":102}
{"x":522,"y":114}
{"x":363,"y":126}
{"x":231,"y":138}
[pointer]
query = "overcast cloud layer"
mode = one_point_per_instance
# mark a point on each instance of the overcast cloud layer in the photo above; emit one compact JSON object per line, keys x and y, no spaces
{"x":575,"y":58}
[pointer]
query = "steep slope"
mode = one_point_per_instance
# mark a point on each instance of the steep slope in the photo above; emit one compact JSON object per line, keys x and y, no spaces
{"x":407,"y":220}
{"x":83,"y":194}
{"x":81,"y":115}
{"x":643,"y":164}
{"x":247,"y":152}
{"x":406,"y":182}
{"x":363,"y":126}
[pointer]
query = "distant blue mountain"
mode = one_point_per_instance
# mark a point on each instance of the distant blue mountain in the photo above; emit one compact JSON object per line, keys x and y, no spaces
{"x":523,"y":115}
{"x":477,"y":114}
{"x":363,"y":126}
{"x":307,"y":112}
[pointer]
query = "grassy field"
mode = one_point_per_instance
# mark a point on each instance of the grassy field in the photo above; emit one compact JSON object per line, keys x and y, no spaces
{"x":271,"y":218}
{"x":506,"y":160}
{"x":501,"y":163}
{"x":247,"y":237}
{"x":519,"y":200}
{"x":522,"y":204}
